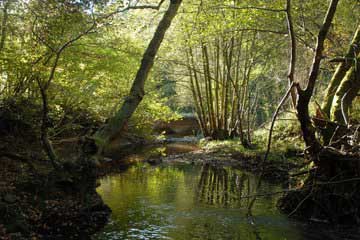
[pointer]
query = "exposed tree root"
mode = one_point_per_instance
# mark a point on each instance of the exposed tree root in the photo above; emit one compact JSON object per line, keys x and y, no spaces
{"x":324,"y":198}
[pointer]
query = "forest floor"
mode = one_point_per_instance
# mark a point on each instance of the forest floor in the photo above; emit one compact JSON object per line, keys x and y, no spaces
{"x":38,"y":202}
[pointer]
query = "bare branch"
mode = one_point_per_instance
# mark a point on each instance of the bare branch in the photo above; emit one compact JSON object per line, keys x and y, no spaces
{"x":274,"y":119}
{"x":135,"y":7}
{"x":320,"y":47}
{"x":251,"y":8}
{"x":257,"y":30}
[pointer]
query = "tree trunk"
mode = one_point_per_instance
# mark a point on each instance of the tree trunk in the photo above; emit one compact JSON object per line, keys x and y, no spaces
{"x":4,"y":25}
{"x":341,"y":71}
{"x":291,"y":73}
{"x":196,"y":95}
{"x":117,"y":123}
{"x":345,"y":94}
{"x":304,"y":96}
{"x":50,"y":152}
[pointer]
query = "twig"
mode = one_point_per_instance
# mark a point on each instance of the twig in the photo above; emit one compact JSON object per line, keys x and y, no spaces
{"x":269,"y":144}
{"x":332,"y":137}
{"x":342,"y":108}
{"x":303,"y":172}
{"x":337,"y":182}
{"x":252,"y":8}
{"x":274,"y":119}
{"x":300,"y":204}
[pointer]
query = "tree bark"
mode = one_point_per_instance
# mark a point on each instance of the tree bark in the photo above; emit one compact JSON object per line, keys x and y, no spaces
{"x":345,"y":94}
{"x":50,"y":152}
{"x":117,"y":123}
{"x":341,"y":71}
{"x":4,"y":25}
{"x":291,"y":73}
{"x":196,"y":95}
{"x":304,"y":96}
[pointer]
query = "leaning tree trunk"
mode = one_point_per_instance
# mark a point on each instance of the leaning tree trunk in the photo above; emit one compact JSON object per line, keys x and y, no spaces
{"x":117,"y":123}
{"x":341,"y":71}
{"x":345,"y":94}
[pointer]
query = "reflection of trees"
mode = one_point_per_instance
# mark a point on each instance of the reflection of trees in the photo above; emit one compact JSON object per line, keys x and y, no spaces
{"x":222,"y":186}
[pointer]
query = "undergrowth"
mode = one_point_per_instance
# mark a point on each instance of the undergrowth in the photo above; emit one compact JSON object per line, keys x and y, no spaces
{"x":286,"y":141}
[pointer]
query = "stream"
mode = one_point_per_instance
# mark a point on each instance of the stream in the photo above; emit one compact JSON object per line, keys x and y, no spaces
{"x":184,"y":201}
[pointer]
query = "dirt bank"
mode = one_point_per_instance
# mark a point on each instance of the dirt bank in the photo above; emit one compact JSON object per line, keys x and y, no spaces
{"x":52,"y":205}
{"x":274,"y":171}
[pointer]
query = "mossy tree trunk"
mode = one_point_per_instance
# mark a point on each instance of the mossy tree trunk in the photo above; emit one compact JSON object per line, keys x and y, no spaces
{"x":345,"y":94}
{"x":341,"y":71}
{"x":341,"y":91}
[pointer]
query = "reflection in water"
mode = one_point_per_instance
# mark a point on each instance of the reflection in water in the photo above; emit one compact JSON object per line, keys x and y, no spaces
{"x":185,"y":202}
{"x":223,"y":186}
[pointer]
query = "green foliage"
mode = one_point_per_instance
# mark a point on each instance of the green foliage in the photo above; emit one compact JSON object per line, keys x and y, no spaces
{"x":19,"y":117}
{"x":286,"y":141}
{"x":94,"y":73}
{"x":355,"y":111}
{"x":286,"y":133}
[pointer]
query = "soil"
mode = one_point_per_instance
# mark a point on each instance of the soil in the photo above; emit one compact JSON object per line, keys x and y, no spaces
{"x":38,"y":202}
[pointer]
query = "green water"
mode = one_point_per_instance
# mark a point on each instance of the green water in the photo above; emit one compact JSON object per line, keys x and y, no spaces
{"x":196,"y":202}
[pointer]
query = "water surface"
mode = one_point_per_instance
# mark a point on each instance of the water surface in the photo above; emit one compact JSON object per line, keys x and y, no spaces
{"x":183,"y":201}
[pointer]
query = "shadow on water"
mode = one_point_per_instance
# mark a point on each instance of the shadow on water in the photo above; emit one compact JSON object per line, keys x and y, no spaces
{"x":184,"y":201}
{"x":151,"y":153}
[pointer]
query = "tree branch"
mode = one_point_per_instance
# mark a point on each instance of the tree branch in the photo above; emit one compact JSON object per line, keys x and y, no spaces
{"x":129,"y":7}
{"x":291,"y":72}
{"x":319,"y":48}
{"x":251,"y":8}
{"x":274,"y":119}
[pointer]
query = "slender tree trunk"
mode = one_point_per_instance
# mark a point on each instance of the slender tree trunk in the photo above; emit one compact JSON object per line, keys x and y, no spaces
{"x":208,"y":87}
{"x":195,"y":96}
{"x":45,"y":114}
{"x":217,"y":83}
{"x":291,"y":73}
{"x":4,"y":25}
{"x":198,"y":90}
{"x":304,"y":96}
{"x":211,"y":97}
{"x":45,"y":129}
{"x":119,"y":121}
{"x":228,"y":63}
{"x":248,"y":118}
